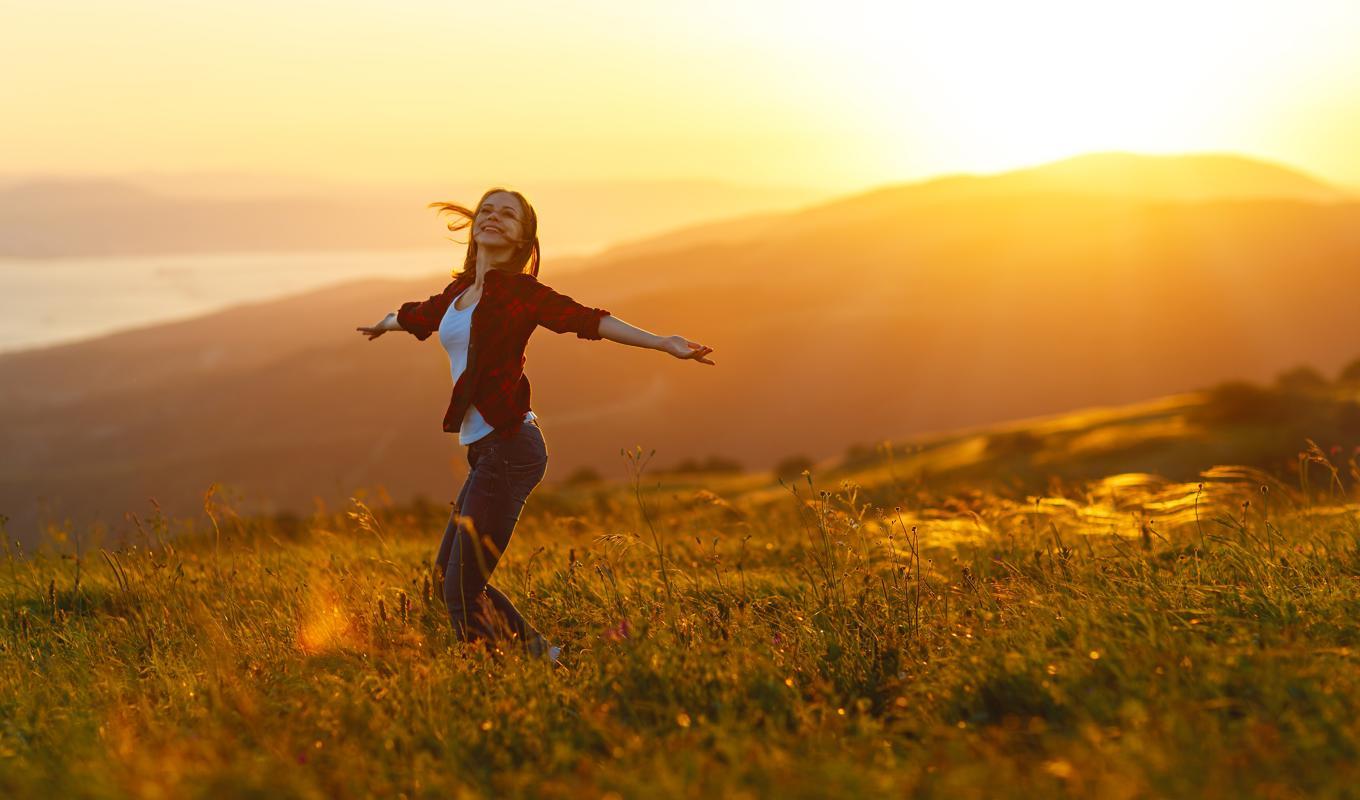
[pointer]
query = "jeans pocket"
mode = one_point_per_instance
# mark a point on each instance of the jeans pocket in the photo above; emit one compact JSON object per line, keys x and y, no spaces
{"x":480,"y":449}
{"x":526,"y":470}
{"x":524,"y":459}
{"x":522,"y":477}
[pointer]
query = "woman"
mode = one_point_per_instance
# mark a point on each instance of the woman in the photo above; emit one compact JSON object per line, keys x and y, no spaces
{"x":484,"y":319}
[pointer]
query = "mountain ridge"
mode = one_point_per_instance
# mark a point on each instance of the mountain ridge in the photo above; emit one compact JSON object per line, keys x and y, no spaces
{"x":1273,"y":180}
{"x":898,"y":318}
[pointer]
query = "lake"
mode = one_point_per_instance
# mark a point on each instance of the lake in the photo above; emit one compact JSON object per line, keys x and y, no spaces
{"x":56,"y":300}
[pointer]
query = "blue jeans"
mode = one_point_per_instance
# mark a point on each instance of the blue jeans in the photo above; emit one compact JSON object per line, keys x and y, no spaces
{"x":503,"y":473}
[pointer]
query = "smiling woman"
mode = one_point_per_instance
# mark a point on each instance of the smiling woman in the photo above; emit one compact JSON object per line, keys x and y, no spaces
{"x":484,"y":319}
{"x":507,"y":219}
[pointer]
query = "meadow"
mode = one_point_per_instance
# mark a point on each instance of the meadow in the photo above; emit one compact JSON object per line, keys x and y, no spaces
{"x":727,"y":635}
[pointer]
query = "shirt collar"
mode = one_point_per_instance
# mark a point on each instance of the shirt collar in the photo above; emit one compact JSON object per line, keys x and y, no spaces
{"x":467,"y":278}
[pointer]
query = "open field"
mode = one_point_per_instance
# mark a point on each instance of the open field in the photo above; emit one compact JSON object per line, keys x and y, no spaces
{"x":1127,"y":637}
{"x":1026,"y":466}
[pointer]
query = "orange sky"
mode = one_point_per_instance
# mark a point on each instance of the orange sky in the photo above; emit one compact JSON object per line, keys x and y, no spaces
{"x":760,"y":91}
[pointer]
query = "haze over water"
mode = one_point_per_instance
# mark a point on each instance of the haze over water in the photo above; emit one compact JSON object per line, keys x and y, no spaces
{"x":68,"y":299}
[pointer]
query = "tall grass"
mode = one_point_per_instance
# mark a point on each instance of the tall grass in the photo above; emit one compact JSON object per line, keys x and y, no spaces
{"x":1131,"y":638}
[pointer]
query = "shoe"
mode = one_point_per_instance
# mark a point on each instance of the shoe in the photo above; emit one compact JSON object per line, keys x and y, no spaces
{"x":542,"y":647}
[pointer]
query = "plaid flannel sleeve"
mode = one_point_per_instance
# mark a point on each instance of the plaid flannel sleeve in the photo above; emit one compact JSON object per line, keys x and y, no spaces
{"x":421,"y":318}
{"x":560,"y":314}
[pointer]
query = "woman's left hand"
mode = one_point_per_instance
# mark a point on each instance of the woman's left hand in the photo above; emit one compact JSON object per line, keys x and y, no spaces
{"x":680,"y":347}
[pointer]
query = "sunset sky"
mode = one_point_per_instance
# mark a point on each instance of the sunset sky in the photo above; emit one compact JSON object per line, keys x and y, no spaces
{"x":772,"y":91}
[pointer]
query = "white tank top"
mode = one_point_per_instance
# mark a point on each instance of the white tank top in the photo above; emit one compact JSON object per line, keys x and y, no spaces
{"x":455,"y":330}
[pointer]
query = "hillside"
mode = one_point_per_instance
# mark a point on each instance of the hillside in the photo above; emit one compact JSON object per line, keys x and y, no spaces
{"x":876,"y":317}
{"x":1127,"y":176}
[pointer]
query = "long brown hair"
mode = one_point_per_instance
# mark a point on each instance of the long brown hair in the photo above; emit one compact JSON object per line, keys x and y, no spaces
{"x":526,"y":256}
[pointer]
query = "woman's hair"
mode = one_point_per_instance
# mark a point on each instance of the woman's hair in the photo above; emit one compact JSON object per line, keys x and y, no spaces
{"x":525,"y":257}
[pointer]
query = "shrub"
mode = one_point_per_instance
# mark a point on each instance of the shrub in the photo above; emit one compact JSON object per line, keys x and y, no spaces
{"x":1350,"y":373}
{"x":1241,"y":401}
{"x":1009,"y":443}
{"x":1300,"y":379}
{"x":791,"y":467}
{"x":582,"y":475}
{"x":710,"y":464}
{"x":860,"y":453}
{"x":1348,"y":420}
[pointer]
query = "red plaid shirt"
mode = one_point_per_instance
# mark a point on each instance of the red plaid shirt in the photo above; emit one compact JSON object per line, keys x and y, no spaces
{"x":512,"y":305}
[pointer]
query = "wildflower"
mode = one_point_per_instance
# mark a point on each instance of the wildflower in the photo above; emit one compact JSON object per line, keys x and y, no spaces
{"x":619,"y":632}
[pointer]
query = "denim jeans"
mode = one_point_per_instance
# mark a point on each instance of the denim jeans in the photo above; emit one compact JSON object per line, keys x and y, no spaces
{"x":503,"y":473}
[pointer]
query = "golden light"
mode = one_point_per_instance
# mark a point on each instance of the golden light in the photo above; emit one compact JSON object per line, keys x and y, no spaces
{"x":778,"y":91}
{"x":325,"y":623}
{"x":992,"y":86}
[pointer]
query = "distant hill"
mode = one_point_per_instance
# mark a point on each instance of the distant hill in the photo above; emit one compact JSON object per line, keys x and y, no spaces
{"x":876,"y":316}
{"x":1178,"y":177}
{"x":1115,"y":176}
{"x":46,"y":217}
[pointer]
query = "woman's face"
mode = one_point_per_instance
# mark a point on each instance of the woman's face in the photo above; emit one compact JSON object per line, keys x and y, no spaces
{"x":499,"y":222}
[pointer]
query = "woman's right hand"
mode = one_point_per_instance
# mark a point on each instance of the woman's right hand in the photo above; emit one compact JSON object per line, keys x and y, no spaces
{"x":388,"y":323}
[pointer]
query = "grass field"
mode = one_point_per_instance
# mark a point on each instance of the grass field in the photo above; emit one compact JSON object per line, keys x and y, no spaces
{"x":726,"y":636}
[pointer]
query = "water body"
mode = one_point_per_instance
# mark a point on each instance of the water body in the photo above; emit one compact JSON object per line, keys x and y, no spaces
{"x":55,"y":300}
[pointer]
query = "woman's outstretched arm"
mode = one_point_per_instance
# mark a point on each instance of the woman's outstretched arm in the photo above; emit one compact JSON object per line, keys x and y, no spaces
{"x":561,"y":314}
{"x":420,"y":318}
{"x":388,"y":323}
{"x":616,"y":330}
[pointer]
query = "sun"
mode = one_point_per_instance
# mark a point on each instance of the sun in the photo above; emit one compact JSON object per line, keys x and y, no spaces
{"x":997,"y":85}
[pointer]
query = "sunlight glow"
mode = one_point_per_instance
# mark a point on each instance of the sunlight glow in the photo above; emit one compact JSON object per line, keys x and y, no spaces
{"x":990,"y":86}
{"x":783,"y":91}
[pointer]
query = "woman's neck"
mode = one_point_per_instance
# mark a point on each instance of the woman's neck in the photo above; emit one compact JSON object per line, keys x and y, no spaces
{"x":479,"y":278}
{"x":494,"y":260}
